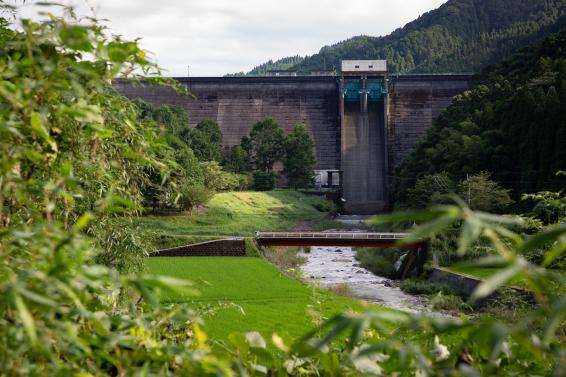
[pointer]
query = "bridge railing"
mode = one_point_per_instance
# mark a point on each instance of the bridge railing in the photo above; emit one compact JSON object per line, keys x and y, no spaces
{"x":330,"y":235}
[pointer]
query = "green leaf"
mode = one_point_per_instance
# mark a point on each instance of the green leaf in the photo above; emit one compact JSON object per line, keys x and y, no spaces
{"x":76,"y":37}
{"x":36,"y":123}
{"x":545,"y":237}
{"x":499,"y":219}
{"x":469,"y":233}
{"x":555,"y":319}
{"x":559,"y":249}
{"x":170,"y":284}
{"x":37,"y":298}
{"x":26,"y":318}
{"x":490,"y":285}
{"x":429,"y":229}
{"x":240,"y":342}
{"x":82,"y":222}
{"x":424,"y":215}
{"x":262,"y":356}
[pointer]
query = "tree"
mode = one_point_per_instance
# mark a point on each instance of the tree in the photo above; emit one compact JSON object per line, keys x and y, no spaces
{"x":205,"y":140}
{"x":430,"y":189}
{"x":299,"y":158}
{"x":236,"y":160}
{"x":512,"y":123}
{"x":266,"y":145}
{"x":483,"y":194}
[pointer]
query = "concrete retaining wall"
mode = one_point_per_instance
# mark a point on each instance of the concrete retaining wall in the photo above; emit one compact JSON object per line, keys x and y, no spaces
{"x":464,"y":283}
{"x":232,"y":247}
{"x":467,"y":284}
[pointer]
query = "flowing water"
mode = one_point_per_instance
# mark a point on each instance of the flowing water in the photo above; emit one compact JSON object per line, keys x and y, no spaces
{"x":330,"y":266}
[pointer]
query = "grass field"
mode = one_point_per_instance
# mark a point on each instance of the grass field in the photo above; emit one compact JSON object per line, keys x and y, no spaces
{"x":270,"y":301}
{"x":240,"y":214}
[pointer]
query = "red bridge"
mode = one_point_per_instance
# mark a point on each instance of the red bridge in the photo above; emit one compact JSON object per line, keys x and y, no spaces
{"x":333,"y":239}
{"x":411,"y":264}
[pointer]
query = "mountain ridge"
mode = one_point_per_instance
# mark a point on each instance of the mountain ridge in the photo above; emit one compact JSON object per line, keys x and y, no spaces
{"x":459,"y":36}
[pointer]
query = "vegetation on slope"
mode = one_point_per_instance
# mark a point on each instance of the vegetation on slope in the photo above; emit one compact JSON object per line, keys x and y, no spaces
{"x":512,"y":123}
{"x":240,"y":214}
{"x":459,"y":36}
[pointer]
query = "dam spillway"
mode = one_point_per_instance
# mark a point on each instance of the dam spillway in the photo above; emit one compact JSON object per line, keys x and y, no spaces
{"x":345,"y":138}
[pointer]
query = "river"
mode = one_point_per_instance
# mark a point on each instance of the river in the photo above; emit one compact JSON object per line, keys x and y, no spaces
{"x":330,"y":266}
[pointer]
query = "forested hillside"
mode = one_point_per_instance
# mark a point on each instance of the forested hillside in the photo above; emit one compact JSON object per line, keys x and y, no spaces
{"x":459,"y":36}
{"x":512,"y":124}
{"x":278,"y":65}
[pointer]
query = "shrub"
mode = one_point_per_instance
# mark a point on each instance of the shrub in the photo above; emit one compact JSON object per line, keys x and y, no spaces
{"x":326,"y":206}
{"x":216,"y":179}
{"x":263,"y":181}
{"x":192,"y":196}
{"x":252,"y":250}
{"x":424,"y":287}
{"x":285,"y":258}
{"x":450,"y":303}
{"x":379,"y":261}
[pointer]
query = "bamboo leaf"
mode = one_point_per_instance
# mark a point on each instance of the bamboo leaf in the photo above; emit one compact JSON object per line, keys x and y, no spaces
{"x":555,"y":318}
{"x":491,"y":284}
{"x":545,"y":237}
{"x":428,"y":229}
{"x":555,"y":252}
{"x":424,"y":215}
{"x":26,"y":318}
{"x":470,"y":232}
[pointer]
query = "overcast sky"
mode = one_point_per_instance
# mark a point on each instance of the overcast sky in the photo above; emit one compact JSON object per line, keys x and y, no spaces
{"x":215,"y":37}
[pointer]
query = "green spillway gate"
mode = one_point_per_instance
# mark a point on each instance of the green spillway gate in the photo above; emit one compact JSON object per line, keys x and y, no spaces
{"x":376,"y":90}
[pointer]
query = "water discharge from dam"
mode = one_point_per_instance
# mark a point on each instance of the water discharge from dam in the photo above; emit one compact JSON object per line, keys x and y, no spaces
{"x":364,"y":158}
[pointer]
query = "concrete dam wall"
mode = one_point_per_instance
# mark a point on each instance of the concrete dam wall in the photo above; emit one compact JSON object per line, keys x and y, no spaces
{"x":363,"y":166}
{"x":237,"y":103}
{"x":365,"y":147}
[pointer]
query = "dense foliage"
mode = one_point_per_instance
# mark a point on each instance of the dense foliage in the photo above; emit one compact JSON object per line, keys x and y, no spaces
{"x":299,"y":160}
{"x":512,"y":123}
{"x":478,"y":191}
{"x":267,"y":145}
{"x":459,"y":36}
{"x":205,"y":140}
{"x":71,"y":151}
{"x":197,"y":153}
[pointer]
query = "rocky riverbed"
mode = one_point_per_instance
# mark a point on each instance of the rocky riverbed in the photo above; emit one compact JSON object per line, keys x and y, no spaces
{"x":330,"y":266}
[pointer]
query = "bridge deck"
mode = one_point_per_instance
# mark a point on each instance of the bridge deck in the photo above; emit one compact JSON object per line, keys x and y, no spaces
{"x":330,"y":239}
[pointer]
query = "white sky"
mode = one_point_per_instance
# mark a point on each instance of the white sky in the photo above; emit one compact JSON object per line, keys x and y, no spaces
{"x":215,"y":37}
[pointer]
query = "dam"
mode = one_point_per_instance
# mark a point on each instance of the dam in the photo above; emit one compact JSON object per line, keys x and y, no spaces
{"x":363,"y":120}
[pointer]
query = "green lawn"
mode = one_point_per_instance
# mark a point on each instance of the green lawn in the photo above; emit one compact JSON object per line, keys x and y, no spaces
{"x":240,"y":214}
{"x":271,"y":302}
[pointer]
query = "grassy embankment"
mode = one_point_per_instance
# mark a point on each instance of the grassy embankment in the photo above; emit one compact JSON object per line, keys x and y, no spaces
{"x":236,"y":214}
